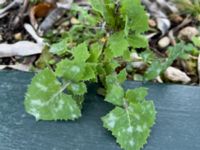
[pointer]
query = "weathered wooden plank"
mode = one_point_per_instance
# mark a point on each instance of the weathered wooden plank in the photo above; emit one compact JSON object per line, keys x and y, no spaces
{"x":177,"y":126}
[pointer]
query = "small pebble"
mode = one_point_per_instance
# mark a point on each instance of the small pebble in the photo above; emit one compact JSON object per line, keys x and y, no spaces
{"x":55,"y":31}
{"x":176,"y":75}
{"x":135,"y":57}
{"x":152,"y":23}
{"x":62,"y":31}
{"x":18,"y":36}
{"x":65,"y":24}
{"x":74,"y":21}
{"x":139,"y":65}
{"x":176,"y":18}
{"x":188,"y":33}
{"x":164,"y":42}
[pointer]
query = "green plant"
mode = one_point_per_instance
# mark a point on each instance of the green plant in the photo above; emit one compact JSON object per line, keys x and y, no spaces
{"x":91,"y":52}
{"x":159,"y":65}
{"x":196,"y":41}
{"x":189,"y":6}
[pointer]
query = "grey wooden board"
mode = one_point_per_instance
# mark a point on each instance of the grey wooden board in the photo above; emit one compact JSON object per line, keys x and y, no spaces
{"x":177,"y":126}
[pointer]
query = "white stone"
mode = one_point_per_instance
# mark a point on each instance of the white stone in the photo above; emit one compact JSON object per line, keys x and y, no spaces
{"x":188,"y":33}
{"x":176,"y":75}
{"x":135,"y":57}
{"x":164,"y":42}
{"x":140,"y":65}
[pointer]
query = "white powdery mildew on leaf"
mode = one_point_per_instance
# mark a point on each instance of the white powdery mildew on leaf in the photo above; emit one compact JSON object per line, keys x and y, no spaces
{"x":112,"y":120}
{"x":132,"y":142}
{"x":131,"y":126}
{"x":119,"y":134}
{"x":139,"y":128}
{"x":130,"y":129}
{"x":74,"y":116}
{"x":60,"y":105}
{"x":47,"y":101}
{"x":75,"y":87}
{"x":37,"y":102}
{"x":41,"y":87}
{"x":71,"y":108}
{"x":137,"y":116}
{"x":144,"y":126}
{"x":35,"y":113}
{"x":75,"y":69}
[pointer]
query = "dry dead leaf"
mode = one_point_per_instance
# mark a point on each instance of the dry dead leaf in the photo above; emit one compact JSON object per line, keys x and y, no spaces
{"x":10,"y":6}
{"x":20,"y":67}
{"x":157,"y":11}
{"x":51,"y":19}
{"x":167,"y":5}
{"x":21,"y":48}
{"x":163,"y":22}
{"x":55,"y":15}
{"x":38,"y":11}
{"x":33,"y":33}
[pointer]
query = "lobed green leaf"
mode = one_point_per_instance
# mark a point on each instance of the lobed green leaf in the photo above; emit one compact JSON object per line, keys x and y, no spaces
{"x":81,"y":53}
{"x":46,"y":100}
{"x":131,"y":126}
{"x":134,"y":15}
{"x":118,"y":44}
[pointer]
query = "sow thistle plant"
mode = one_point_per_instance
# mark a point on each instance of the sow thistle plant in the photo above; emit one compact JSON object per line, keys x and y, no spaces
{"x":91,"y":52}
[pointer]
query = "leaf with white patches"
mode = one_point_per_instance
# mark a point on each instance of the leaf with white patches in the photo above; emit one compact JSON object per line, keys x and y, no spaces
{"x":76,"y":71}
{"x":70,"y":70}
{"x":114,"y":91}
{"x":131,"y":125}
{"x":131,"y":121}
{"x":46,"y":101}
{"x":115,"y":94}
{"x":77,"y":88}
